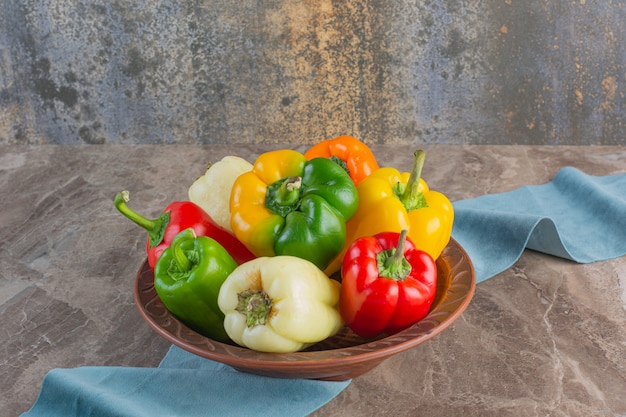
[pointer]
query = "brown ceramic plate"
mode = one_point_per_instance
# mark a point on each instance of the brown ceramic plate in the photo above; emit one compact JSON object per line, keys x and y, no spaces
{"x":338,"y":358}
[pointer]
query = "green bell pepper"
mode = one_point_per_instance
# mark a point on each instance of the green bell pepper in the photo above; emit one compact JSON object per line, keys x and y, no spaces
{"x":188,"y":276}
{"x":287,"y":205}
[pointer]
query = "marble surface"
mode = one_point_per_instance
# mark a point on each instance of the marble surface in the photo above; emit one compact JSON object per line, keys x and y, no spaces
{"x":546,"y":337}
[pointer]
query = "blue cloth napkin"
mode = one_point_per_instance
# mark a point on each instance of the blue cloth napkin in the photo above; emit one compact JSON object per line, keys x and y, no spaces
{"x":183,"y":385}
{"x":575,"y":216}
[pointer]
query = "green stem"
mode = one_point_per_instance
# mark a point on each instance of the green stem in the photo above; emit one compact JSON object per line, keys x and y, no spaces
{"x":184,"y":257}
{"x":411,"y":197}
{"x":155,"y":227}
{"x":289,"y":192}
{"x":255,"y":305}
{"x":180,"y":258}
{"x":391,"y":263}
{"x":284,"y":195}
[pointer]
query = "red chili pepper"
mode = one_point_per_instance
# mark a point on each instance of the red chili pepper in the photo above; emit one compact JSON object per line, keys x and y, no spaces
{"x":176,"y":217}
{"x":387,"y":284}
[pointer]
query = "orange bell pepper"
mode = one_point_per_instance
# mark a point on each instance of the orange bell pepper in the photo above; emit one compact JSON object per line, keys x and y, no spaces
{"x":390,"y":201}
{"x":358,"y":158}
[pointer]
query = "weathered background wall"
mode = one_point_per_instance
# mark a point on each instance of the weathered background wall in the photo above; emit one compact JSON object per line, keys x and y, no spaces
{"x":217,"y":71}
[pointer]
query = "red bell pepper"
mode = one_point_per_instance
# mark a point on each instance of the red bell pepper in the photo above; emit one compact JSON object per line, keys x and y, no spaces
{"x":176,"y":217}
{"x":387,"y":284}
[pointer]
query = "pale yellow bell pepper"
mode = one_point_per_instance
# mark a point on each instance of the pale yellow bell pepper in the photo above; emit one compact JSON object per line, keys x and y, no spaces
{"x":212,"y":190}
{"x":279,"y":304}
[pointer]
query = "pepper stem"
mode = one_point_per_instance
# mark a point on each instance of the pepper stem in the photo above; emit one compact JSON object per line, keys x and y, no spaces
{"x":256,"y":305}
{"x":289,"y":191}
{"x":155,"y":227}
{"x":183,"y":263}
{"x":411,"y":197}
{"x":283,"y":195}
{"x":391,"y":263}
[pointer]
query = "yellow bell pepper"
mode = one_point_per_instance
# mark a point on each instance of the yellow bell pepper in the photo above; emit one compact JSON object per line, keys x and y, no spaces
{"x":252,"y":222}
{"x":288,"y":205}
{"x":393,"y":201}
{"x":279,"y":304}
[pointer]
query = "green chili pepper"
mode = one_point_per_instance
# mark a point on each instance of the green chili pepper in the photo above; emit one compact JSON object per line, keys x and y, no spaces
{"x":188,"y":276}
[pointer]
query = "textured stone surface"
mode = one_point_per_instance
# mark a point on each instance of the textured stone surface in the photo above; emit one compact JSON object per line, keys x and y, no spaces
{"x":199,"y":71}
{"x":546,"y":337}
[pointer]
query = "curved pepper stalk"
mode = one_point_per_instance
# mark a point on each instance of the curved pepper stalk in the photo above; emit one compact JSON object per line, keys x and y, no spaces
{"x":176,"y":217}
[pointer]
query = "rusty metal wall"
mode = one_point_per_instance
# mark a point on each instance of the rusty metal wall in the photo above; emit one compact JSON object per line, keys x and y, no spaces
{"x":281,"y":71}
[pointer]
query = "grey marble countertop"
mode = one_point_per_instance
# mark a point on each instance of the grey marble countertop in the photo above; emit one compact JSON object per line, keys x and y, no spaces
{"x":546,"y":337}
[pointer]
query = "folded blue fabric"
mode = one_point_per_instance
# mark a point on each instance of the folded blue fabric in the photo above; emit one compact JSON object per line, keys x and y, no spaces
{"x":183,"y":385}
{"x":575,"y":216}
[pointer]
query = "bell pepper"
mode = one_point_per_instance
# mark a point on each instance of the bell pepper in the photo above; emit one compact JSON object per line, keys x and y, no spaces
{"x":387,"y":284}
{"x":187,"y":279}
{"x":279,"y":304}
{"x":211,"y":191}
{"x":356,"y":156}
{"x":176,"y":217}
{"x":287,"y":205}
{"x":393,"y":201}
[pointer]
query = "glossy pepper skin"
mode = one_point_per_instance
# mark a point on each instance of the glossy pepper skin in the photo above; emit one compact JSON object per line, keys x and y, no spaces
{"x":358,"y":158}
{"x":393,"y":201}
{"x":387,"y":284}
{"x":287,"y":205}
{"x":280,"y":304}
{"x":188,"y":277}
{"x":176,"y":217}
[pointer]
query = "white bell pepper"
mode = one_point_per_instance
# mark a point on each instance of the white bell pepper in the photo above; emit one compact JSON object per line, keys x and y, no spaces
{"x":279,"y":304}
